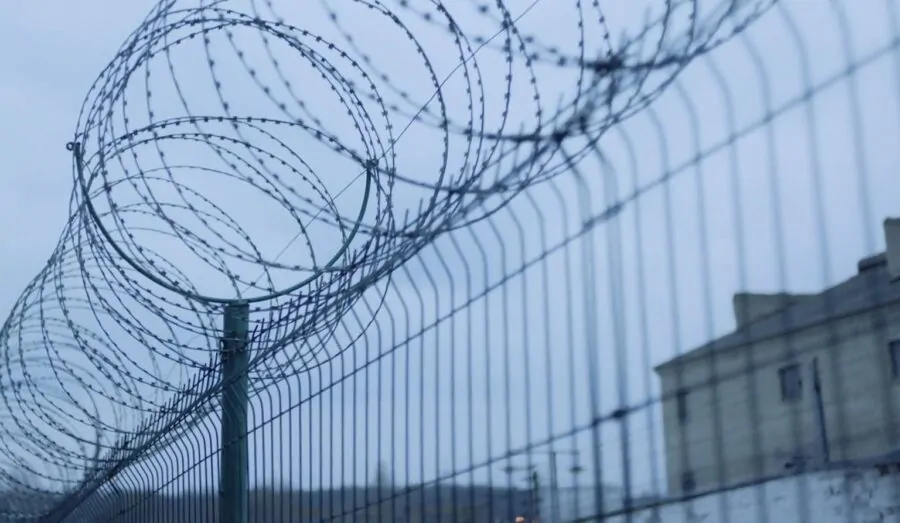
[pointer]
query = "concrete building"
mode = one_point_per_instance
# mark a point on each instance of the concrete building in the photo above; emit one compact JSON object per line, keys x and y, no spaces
{"x":804,"y":382}
{"x":567,"y":504}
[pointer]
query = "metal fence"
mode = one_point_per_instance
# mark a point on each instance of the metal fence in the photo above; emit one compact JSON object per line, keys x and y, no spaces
{"x":383,"y":260}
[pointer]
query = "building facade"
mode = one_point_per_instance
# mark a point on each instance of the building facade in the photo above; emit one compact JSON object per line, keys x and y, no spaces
{"x":804,"y":382}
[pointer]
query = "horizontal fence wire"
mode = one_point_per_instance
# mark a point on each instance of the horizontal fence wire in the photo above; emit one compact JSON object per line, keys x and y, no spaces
{"x":509,"y":261}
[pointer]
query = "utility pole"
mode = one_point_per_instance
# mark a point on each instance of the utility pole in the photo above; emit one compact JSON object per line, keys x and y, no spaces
{"x":233,"y":460}
{"x":554,"y":489}
{"x":535,"y":496}
{"x":555,"y":505}
{"x":820,"y":411}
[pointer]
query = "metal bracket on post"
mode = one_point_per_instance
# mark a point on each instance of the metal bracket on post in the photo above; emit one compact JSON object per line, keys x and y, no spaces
{"x":234,"y":473}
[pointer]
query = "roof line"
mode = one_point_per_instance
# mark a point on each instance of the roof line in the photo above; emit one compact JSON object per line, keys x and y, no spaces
{"x":710,"y":346}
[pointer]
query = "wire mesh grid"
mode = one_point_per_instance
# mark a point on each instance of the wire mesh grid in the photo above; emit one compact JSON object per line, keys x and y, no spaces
{"x":527,"y":273}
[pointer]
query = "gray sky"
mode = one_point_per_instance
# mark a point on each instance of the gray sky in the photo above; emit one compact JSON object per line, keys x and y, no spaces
{"x":601,"y":312}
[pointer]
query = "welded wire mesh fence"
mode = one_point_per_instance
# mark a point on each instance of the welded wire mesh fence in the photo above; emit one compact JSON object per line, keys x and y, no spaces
{"x":547,"y":261}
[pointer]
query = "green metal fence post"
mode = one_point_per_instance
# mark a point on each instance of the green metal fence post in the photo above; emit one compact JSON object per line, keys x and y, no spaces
{"x":233,"y":460}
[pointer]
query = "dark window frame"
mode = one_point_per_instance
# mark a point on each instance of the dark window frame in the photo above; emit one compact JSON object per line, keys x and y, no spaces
{"x":785,"y":374}
{"x":681,"y":406}
{"x":688,"y":482}
{"x":894,"y":354}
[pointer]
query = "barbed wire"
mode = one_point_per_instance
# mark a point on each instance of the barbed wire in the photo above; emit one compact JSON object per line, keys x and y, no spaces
{"x":114,"y":343}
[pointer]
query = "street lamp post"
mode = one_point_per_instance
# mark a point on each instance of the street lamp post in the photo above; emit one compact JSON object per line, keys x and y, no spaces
{"x":554,"y":475}
{"x":531,"y":479}
{"x":554,"y":478}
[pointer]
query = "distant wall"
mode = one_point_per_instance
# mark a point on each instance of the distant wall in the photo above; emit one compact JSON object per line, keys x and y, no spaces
{"x":867,"y":496}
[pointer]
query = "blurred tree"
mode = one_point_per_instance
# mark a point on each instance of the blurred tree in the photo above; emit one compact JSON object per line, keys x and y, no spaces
{"x":381,"y":507}
{"x":382,"y":478}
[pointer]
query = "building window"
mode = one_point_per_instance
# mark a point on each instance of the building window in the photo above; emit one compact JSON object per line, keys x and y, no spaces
{"x":681,"y":402}
{"x":688,"y":482}
{"x":791,"y":382}
{"x":894,"y":349}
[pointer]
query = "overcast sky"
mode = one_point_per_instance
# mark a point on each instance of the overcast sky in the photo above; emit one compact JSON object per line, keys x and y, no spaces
{"x":703,"y":216}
